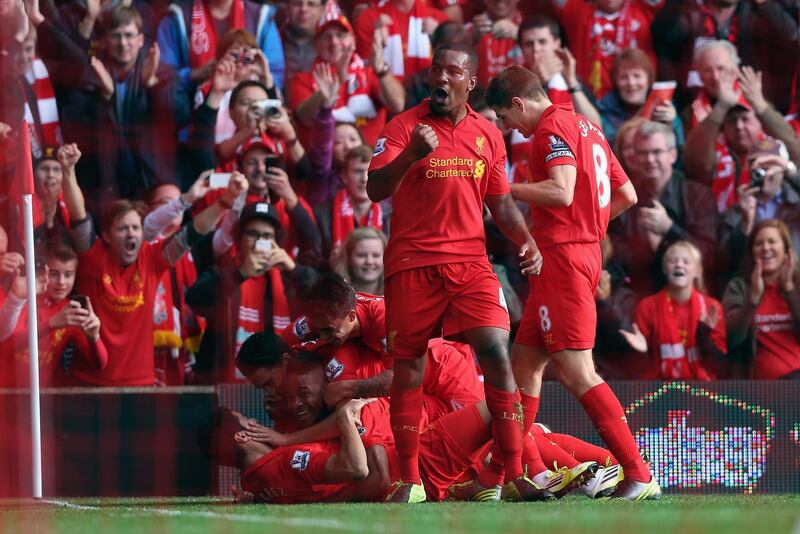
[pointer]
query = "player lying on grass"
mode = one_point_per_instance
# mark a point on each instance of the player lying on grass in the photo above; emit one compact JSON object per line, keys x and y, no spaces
{"x":303,"y":408}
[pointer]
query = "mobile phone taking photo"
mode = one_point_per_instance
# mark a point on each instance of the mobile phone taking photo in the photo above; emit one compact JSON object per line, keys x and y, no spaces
{"x":264,"y":245}
{"x":82,"y":300}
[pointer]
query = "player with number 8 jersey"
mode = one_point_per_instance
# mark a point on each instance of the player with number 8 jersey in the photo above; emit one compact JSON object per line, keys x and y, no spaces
{"x":576,"y":187}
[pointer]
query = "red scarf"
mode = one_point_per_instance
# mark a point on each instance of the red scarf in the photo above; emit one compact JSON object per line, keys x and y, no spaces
{"x":39,"y":79}
{"x":175,"y":324}
{"x":619,"y":28}
{"x":558,"y":91}
{"x":252,"y":297}
{"x":203,"y":37}
{"x":344,"y":219}
{"x":710,"y":24}
{"x":679,"y":356}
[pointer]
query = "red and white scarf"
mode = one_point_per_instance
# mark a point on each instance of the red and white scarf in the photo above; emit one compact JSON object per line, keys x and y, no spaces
{"x":558,"y":91}
{"x":251,"y":306}
{"x":415,"y":45}
{"x":39,"y":79}
{"x":203,"y":37}
{"x":616,"y":29}
{"x":679,"y":355}
{"x":344,"y":218}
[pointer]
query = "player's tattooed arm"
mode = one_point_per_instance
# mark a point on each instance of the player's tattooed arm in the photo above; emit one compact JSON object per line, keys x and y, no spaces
{"x":344,"y":390}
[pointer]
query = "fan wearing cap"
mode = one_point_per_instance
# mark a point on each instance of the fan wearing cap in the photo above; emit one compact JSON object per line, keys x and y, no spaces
{"x":772,"y":193}
{"x":367,"y":91}
{"x":245,"y":293}
{"x":716,"y":148}
{"x":120,"y":274}
{"x":405,"y":27}
{"x":269,"y":182}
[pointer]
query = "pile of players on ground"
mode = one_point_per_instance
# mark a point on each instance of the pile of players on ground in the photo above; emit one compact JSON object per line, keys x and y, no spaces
{"x":325,"y":383}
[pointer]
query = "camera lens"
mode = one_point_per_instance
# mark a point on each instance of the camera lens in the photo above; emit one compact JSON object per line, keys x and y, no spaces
{"x":273,"y":112}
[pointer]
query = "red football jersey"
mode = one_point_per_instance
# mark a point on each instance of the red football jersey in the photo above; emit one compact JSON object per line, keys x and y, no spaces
{"x":777,"y":348}
{"x":596,"y":37}
{"x":437,"y":214}
{"x":564,"y":137}
{"x":293,"y":474}
{"x":123,"y":298}
{"x":371,"y":314}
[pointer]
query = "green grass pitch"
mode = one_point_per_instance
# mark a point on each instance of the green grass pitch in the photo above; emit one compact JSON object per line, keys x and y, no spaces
{"x":684,"y":514}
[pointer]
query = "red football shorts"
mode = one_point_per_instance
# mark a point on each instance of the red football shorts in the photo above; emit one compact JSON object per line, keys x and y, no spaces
{"x":450,"y":446}
{"x":560,"y":312}
{"x":440,"y":301}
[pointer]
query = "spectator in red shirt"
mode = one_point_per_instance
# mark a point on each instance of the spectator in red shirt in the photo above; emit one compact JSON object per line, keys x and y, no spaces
{"x":494,"y":33}
{"x":405,"y":27}
{"x":367,"y":91}
{"x":762,"y":307}
{"x":361,"y":261}
{"x":680,"y":328}
{"x":69,"y":330}
{"x":717,"y":146}
{"x":48,"y":181}
{"x":120,"y":274}
{"x":599,"y":30}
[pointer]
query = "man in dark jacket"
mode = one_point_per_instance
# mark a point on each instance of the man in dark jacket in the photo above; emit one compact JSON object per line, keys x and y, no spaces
{"x":670,"y":208}
{"x":127,"y":126}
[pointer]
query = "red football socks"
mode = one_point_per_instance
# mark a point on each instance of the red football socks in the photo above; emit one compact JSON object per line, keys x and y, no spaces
{"x":606,"y":413}
{"x":548,"y":451}
{"x":581,"y":450}
{"x":507,"y":418}
{"x":405,"y":415}
{"x":530,"y":405}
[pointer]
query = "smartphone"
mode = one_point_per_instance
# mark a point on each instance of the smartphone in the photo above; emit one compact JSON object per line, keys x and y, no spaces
{"x":82,"y":300}
{"x":219,"y":180}
{"x":269,"y":108}
{"x":272,"y":160}
{"x":264,"y":245}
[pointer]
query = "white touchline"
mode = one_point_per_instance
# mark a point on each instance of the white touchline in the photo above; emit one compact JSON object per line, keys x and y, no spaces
{"x":332,"y":524}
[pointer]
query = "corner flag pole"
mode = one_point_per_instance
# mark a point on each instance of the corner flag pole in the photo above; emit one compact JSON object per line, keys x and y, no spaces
{"x":33,"y":345}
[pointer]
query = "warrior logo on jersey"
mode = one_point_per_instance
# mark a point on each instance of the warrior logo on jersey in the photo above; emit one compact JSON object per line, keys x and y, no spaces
{"x":479,"y":142}
{"x":333,"y":369}
{"x":300,"y":460}
{"x":380,"y":146}
{"x":301,"y":328}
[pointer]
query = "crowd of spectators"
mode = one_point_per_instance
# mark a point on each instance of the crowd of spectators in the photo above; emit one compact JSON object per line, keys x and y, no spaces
{"x":198,"y":163}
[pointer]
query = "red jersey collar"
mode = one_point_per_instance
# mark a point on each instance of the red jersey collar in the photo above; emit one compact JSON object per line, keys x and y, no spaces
{"x":424,"y":109}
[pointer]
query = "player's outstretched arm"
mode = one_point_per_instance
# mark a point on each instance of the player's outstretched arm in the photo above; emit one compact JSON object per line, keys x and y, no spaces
{"x":622,"y":198}
{"x":558,"y":191}
{"x":382,"y":183}
{"x":350,"y":463}
{"x":510,"y":221}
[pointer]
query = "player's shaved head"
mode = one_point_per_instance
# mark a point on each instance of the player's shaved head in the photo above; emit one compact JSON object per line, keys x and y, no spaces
{"x":513,"y":82}
{"x":461,"y":47}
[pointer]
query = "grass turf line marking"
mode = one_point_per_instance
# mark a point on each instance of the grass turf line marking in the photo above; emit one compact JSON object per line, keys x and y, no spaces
{"x":333,"y":524}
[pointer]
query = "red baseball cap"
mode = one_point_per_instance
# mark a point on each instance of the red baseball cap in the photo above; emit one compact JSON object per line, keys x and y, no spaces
{"x":332,"y":16}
